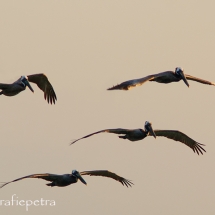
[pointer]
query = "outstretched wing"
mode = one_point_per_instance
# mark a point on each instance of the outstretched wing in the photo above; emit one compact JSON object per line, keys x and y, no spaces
{"x":43,"y":83}
{"x":127,"y":85}
{"x":45,"y":176}
{"x":181,"y":137}
{"x":115,"y":131}
{"x":106,"y":173}
{"x":192,"y":78}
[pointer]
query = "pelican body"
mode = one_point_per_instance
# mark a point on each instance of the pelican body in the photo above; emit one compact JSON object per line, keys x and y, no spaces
{"x":67,"y":179}
{"x":139,"y":134}
{"x":20,"y":85}
{"x":16,"y":87}
{"x":163,"y":77}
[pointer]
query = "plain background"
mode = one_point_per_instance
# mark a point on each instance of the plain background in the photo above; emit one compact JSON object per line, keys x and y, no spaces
{"x":85,"y":47}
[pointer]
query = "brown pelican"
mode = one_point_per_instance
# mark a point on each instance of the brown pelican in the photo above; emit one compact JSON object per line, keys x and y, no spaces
{"x":139,"y":134}
{"x":18,"y":86}
{"x":163,"y":77}
{"x":67,"y":179}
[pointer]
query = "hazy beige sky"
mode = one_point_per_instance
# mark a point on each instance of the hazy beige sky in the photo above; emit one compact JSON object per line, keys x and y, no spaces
{"x":84,"y":47}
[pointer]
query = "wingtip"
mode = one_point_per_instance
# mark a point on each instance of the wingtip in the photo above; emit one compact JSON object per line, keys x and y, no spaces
{"x":73,"y":142}
{"x":116,"y":87}
{"x":3,"y":184}
{"x":111,"y":88}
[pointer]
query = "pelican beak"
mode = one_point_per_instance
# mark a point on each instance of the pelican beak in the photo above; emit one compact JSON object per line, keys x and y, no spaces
{"x":184,"y":78}
{"x":81,"y":179}
{"x":152,"y":131}
{"x":29,"y":86}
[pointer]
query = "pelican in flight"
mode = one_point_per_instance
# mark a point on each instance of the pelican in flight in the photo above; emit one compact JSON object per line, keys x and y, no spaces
{"x":139,"y":134}
{"x":67,"y":179}
{"x":18,"y":86}
{"x":162,"y":77}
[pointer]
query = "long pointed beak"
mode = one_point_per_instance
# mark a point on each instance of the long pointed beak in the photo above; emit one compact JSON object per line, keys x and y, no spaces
{"x":184,"y":79}
{"x":29,"y":86}
{"x":152,"y":131}
{"x":81,"y":179}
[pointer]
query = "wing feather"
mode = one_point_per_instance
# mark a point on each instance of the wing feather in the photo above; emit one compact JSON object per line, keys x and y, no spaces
{"x":106,"y":173}
{"x":162,"y":77}
{"x":115,"y":131}
{"x":43,"y":83}
{"x":181,"y":137}
{"x":127,"y":85}
{"x":192,"y":78}
{"x":45,"y":176}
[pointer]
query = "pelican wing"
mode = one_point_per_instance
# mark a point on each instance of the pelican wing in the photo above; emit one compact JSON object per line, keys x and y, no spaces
{"x":43,"y":83}
{"x":192,"y":78}
{"x":106,"y":173}
{"x":115,"y":131}
{"x":181,"y":137}
{"x":127,"y":85}
{"x":45,"y":176}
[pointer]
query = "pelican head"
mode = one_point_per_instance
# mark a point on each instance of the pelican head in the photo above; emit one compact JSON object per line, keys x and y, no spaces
{"x":76,"y":174}
{"x":148,"y":128}
{"x":25,"y":81}
{"x":180,"y":72}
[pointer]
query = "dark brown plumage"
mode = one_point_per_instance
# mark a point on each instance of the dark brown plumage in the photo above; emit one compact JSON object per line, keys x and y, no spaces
{"x":67,"y":179}
{"x":43,"y":83}
{"x":139,"y":134}
{"x":162,"y":77}
{"x":130,"y":134}
{"x":106,"y":173}
{"x":20,"y":85}
{"x":183,"y":138}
